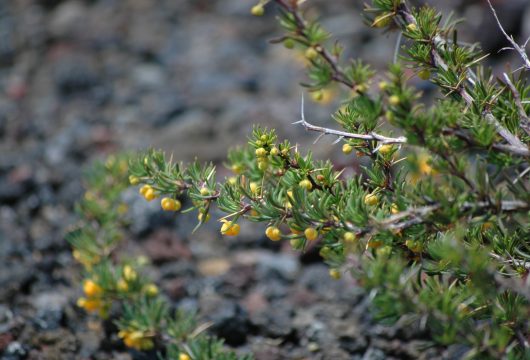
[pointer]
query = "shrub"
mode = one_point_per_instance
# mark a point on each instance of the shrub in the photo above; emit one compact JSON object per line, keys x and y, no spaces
{"x":436,"y":225}
{"x":114,"y":286}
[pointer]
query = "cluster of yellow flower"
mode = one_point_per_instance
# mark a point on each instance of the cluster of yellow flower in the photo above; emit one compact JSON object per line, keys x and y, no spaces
{"x":85,"y":259}
{"x":262,"y":153}
{"x":147,"y":191}
{"x":93,"y":301}
{"x":230,"y":228}
{"x":137,"y":339}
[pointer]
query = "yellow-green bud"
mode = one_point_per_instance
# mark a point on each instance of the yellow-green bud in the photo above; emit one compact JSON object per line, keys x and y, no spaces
{"x":311,"y":53}
{"x":261,"y":152}
{"x":257,"y":10}
{"x":424,"y":74}
{"x":288,"y":43}
{"x":347,"y":149}
{"x":394,"y":100}
{"x":306,"y":184}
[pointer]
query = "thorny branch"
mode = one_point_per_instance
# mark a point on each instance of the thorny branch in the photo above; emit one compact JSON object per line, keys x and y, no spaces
{"x":513,"y":140}
{"x":418,"y":215}
{"x":372,"y":136}
{"x":520,"y":50}
{"x":525,"y":120}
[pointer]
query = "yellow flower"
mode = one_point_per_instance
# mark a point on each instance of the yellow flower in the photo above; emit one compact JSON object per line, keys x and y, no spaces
{"x":261,"y":152}
{"x":424,"y":166}
{"x":122,"y":285}
{"x":150,"y":290}
{"x":317,"y":95}
{"x":150,"y":194}
{"x":134,"y":180}
{"x":311,"y":53}
{"x":310,"y":233}
{"x":144,"y":189}
{"x":229,"y":228}
{"x":306,"y":184}
{"x":412,"y":27}
{"x":273,"y":233}
{"x":237,"y":168}
{"x":347,"y":149}
{"x":90,"y":305}
{"x":129,"y":274}
{"x":370,"y":199}
{"x":169,"y":204}
{"x":382,"y":20}
{"x":288,"y":43}
{"x":394,"y":100}
{"x":424,"y":74}
{"x":184,"y":356}
{"x":385,"y":149}
{"x":136,"y":339}
{"x":91,"y":289}
{"x":323,"y":96}
{"x":275,"y":151}
{"x":383,"y":85}
{"x":394,"y":209}
{"x":257,"y":10}
{"x":335,"y":274}
{"x":205,"y":191}
{"x":254,"y":187}
{"x":203,"y":218}
{"x":349,"y":237}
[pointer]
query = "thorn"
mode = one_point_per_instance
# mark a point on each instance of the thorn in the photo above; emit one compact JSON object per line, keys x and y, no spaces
{"x":302,"y":107}
{"x":339,"y":139}
{"x":318,"y":138}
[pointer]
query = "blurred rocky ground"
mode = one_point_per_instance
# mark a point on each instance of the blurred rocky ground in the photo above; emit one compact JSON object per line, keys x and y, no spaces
{"x":83,"y":79}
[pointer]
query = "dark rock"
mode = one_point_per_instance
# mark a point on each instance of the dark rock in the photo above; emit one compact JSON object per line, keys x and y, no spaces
{"x":15,"y":351}
{"x":237,"y":280}
{"x":273,"y":289}
{"x":175,"y":288}
{"x":17,"y":279}
{"x":165,"y":245}
{"x":280,"y":266}
{"x":374,"y":354}
{"x":73,"y":75}
{"x":276,"y":321}
{"x":50,"y":309}
{"x":230,"y":320}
